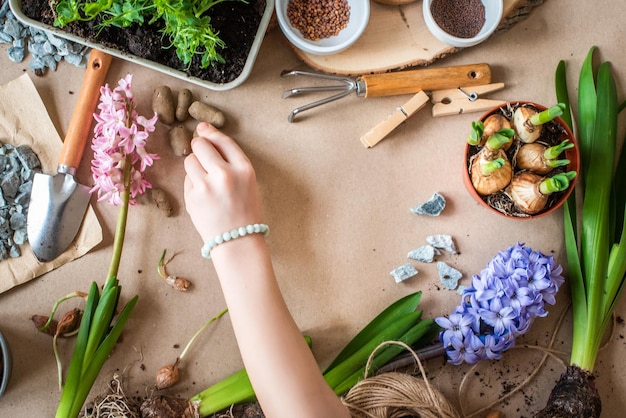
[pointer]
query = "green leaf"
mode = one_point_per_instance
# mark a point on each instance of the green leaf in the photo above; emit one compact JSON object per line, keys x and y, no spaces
{"x":357,"y":360}
{"x":101,"y":321}
{"x":562,"y":95}
{"x":377,"y":325}
{"x":93,"y":9}
{"x":586,"y":109}
{"x":386,"y":354}
{"x":67,"y":12}
{"x":101,"y":355}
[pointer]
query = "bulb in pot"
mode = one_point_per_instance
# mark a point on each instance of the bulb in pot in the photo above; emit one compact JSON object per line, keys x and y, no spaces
{"x":497,"y":124}
{"x":491,"y":170}
{"x":491,"y":176}
{"x":541,"y":159}
{"x":528,"y":123}
{"x":529,"y":191}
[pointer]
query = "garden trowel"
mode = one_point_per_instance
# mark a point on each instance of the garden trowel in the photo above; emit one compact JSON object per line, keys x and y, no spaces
{"x":58,"y":203}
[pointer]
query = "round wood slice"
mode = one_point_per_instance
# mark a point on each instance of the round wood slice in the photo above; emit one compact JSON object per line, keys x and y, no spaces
{"x":396,"y":37}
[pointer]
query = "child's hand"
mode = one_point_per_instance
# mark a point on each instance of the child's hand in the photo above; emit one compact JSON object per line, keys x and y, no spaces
{"x":220,"y":186}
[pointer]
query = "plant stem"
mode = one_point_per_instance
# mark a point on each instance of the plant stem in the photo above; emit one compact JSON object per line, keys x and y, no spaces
{"x":122,"y":217}
{"x":490,"y":167}
{"x":557,"y":183}
{"x":553,"y":152}
{"x":195,"y":336}
{"x":547,"y":115}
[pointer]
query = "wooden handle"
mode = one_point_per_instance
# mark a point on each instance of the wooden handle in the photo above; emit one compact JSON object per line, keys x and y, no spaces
{"x":80,"y":124}
{"x":426,"y":79}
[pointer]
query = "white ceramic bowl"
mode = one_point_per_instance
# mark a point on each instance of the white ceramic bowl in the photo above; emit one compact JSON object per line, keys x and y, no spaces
{"x":359,"y":17}
{"x":493,"y":15}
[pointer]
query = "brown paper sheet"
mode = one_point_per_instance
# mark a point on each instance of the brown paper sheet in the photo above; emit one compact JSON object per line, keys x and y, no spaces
{"x":24,"y":120}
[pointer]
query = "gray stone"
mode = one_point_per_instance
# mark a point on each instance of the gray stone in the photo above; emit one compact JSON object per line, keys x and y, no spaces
{"x":27,"y":157}
{"x":5,"y":38}
{"x":20,"y":236}
{"x":443,"y":242}
{"x":433,"y":207}
{"x":404,"y":272}
{"x":10,"y":184}
{"x":14,"y":251}
{"x":448,"y":276}
{"x":13,"y":28}
{"x":17,"y":221}
{"x":425,"y":254}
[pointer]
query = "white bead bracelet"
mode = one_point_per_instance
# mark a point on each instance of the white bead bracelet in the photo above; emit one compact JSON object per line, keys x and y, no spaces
{"x":234,"y":234}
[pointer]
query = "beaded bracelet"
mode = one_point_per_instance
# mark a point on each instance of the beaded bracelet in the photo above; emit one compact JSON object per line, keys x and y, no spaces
{"x":234,"y":234}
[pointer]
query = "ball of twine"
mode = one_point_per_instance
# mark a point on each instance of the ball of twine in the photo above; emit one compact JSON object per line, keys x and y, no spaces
{"x":397,"y":395}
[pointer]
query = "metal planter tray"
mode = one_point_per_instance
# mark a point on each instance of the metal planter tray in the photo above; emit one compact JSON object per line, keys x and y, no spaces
{"x":16,"y":8}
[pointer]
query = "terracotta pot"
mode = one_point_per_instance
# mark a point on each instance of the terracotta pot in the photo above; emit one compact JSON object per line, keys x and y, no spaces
{"x":555,"y":200}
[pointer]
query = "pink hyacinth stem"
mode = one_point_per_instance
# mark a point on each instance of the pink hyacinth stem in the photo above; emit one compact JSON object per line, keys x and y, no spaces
{"x":120,"y":231}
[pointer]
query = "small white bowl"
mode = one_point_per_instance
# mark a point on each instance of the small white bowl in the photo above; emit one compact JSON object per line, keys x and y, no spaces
{"x":493,"y":15}
{"x":359,"y":17}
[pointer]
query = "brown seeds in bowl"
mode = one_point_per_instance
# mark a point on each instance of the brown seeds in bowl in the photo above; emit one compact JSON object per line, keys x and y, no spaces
{"x":318,"y":19}
{"x":460,"y":18}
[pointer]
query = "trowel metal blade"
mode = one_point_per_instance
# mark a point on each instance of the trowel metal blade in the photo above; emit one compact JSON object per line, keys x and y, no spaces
{"x":57,"y":207}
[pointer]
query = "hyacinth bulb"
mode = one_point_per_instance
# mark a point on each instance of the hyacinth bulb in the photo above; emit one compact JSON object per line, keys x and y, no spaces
{"x":529,"y":192}
{"x":528,"y":123}
{"x":493,"y":124}
{"x":541,"y":159}
{"x":490,"y":172}
{"x":524,"y":191}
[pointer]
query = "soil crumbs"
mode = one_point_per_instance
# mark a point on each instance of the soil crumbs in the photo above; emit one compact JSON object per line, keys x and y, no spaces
{"x":236,"y":23}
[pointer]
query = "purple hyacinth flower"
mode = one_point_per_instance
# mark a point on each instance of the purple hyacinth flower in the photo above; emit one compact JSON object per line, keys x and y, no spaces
{"x":500,"y":305}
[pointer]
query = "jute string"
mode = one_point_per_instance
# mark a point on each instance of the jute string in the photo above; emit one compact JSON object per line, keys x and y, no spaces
{"x":398,"y":395}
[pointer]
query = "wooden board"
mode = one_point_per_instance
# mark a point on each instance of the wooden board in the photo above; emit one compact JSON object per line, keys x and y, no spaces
{"x":396,"y":37}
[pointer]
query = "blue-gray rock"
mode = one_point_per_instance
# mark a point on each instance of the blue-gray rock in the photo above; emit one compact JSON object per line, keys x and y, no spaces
{"x":433,"y":207}
{"x":425,"y":254}
{"x":14,"y":251}
{"x":27,"y":157}
{"x":12,"y":28}
{"x":448,"y":276}
{"x":443,"y":242}
{"x":17,"y":221}
{"x":16,"y":54}
{"x":10,"y":184}
{"x":5,"y":38}
{"x":404,"y":272}
{"x":20,"y":236}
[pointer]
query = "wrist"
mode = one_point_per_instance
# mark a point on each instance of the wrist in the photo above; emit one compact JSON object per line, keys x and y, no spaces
{"x":234,"y":235}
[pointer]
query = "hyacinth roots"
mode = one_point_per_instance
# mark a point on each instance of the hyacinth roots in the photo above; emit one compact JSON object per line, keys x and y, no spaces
{"x":501,"y":304}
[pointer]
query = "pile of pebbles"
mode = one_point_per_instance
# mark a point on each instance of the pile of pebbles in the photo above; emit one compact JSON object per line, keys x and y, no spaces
{"x":18,"y":165}
{"x":46,"y":49}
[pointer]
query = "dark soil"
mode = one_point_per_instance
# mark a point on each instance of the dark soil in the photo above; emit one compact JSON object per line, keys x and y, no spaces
{"x":237,"y":24}
{"x":574,"y":395}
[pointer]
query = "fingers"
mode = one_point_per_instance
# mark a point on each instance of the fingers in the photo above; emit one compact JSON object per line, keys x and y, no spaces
{"x":195,"y":170}
{"x":222,"y":144}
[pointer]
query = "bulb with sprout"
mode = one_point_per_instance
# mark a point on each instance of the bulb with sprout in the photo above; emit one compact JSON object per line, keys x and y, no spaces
{"x":528,"y":122}
{"x":530,"y":192}
{"x":541,"y":159}
{"x":491,"y":170}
